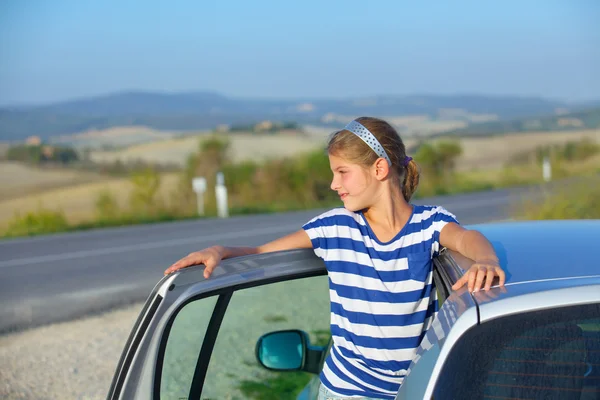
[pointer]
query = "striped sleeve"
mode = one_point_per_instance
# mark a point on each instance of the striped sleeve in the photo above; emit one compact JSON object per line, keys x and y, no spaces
{"x":441,"y":217}
{"x":316,"y":233}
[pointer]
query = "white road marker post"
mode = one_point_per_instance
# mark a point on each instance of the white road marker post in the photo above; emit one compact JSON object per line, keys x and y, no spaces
{"x":221,"y":193}
{"x":547,"y":169}
{"x":199,"y":186}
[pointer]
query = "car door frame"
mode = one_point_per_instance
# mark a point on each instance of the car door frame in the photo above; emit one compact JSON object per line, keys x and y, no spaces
{"x":138,"y":373}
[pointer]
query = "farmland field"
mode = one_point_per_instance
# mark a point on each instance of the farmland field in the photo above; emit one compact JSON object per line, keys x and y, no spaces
{"x":478,"y":153}
{"x":244,"y":146}
{"x":17,"y":180}
{"x":495,"y":151}
{"x":77,"y":201}
{"x":24,"y":188}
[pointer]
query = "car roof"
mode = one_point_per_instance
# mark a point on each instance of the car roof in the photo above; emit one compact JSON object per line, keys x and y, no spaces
{"x":544,"y":250}
{"x":548,"y":264}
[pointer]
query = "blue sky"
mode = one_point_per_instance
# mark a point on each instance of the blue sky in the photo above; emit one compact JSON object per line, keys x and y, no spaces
{"x":64,"y":49}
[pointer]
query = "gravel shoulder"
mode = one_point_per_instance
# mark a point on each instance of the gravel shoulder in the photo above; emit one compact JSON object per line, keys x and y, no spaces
{"x":77,"y":359}
{"x":70,"y":360}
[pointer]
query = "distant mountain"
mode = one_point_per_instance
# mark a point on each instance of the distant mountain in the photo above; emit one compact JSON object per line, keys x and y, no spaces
{"x":585,"y":119}
{"x":206,"y":110}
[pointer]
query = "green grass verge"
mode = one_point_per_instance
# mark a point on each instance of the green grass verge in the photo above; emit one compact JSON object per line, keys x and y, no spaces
{"x":561,"y":206}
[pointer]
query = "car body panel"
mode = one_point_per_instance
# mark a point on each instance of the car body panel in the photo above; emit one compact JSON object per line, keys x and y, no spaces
{"x":539,"y":295}
{"x":457,"y":315}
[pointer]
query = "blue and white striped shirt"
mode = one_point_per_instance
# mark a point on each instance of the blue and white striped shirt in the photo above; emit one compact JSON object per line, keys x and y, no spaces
{"x":382,"y":297}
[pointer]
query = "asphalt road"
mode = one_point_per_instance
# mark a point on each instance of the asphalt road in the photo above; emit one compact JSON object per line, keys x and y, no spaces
{"x":60,"y":277}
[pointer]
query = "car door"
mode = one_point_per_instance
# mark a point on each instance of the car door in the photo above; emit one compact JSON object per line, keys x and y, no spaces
{"x":195,"y":338}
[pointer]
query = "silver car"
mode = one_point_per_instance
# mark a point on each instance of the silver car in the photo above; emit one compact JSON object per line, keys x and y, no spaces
{"x":259,"y":327}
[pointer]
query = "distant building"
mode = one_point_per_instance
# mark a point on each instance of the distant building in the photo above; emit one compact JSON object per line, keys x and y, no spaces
{"x":574,"y":122}
{"x":48,"y":152}
{"x":305,"y":107}
{"x":264,"y":126}
{"x":33,"y":141}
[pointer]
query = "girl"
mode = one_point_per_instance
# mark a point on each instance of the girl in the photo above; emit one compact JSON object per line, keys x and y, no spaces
{"x":378,"y":251}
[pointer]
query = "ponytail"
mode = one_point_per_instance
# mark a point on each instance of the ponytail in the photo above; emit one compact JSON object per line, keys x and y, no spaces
{"x":411,"y":180}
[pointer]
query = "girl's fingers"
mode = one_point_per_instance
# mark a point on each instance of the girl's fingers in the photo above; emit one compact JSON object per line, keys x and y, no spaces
{"x":210,"y":265}
{"x":472,"y":276}
{"x":460,"y":282}
{"x":480,"y":276}
{"x":501,"y":275}
{"x":190,"y":259}
{"x":489,"y":278}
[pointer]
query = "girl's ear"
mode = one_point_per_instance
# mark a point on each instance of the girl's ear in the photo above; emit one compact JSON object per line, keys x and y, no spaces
{"x":382,"y":168}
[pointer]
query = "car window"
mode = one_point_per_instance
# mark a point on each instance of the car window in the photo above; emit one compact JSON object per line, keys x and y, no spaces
{"x":233,"y":370}
{"x":550,"y":354}
{"x":183,"y":347}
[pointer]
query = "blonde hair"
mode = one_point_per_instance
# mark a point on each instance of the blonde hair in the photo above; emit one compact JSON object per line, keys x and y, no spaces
{"x":349,"y":146}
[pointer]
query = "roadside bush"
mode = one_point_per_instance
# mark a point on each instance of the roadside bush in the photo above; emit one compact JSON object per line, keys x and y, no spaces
{"x":143,"y":198}
{"x":33,"y":223}
{"x":106,"y":206}
{"x":576,"y":201}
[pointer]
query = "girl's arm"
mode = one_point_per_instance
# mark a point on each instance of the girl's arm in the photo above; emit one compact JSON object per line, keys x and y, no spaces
{"x":212,"y":256}
{"x":474,"y":245}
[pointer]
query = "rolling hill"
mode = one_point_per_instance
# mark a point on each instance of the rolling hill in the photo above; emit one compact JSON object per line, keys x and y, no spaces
{"x":586,"y":119}
{"x":206,"y":110}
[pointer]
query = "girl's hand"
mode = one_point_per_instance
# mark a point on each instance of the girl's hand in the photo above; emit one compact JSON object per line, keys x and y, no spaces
{"x":479,"y":271}
{"x":210,"y":257}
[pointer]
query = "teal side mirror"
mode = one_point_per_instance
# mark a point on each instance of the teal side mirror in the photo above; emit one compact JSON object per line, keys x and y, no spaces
{"x":282,"y":350}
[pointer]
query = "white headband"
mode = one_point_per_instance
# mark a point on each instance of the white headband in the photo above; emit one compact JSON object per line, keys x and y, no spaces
{"x":359,"y":130}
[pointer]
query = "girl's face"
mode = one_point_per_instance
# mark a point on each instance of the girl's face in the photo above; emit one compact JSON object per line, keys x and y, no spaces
{"x":352,"y":182}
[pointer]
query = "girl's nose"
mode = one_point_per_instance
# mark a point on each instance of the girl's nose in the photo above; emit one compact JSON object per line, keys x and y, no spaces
{"x":334,"y":185}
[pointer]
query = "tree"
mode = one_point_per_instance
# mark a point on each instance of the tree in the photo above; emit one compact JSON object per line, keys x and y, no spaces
{"x":145,"y":188}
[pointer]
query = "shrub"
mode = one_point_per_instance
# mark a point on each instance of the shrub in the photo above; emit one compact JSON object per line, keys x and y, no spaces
{"x":143,"y":198}
{"x":106,"y":206}
{"x":33,"y":223}
{"x":576,"y":201}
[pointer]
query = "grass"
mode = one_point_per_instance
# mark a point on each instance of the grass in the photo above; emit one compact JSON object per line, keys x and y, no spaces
{"x":275,"y":318}
{"x":283,"y":385}
{"x":579,"y":200}
{"x":279,"y":386}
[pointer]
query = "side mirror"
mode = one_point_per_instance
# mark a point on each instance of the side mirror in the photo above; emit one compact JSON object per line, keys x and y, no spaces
{"x":288,"y":350}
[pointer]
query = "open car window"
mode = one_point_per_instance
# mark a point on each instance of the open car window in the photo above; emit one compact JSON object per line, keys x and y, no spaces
{"x":212,"y":355}
{"x":233,"y":371}
{"x":183,"y":347}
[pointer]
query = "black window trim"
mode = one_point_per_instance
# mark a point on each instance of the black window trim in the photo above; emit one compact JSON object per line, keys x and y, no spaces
{"x":445,"y":273}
